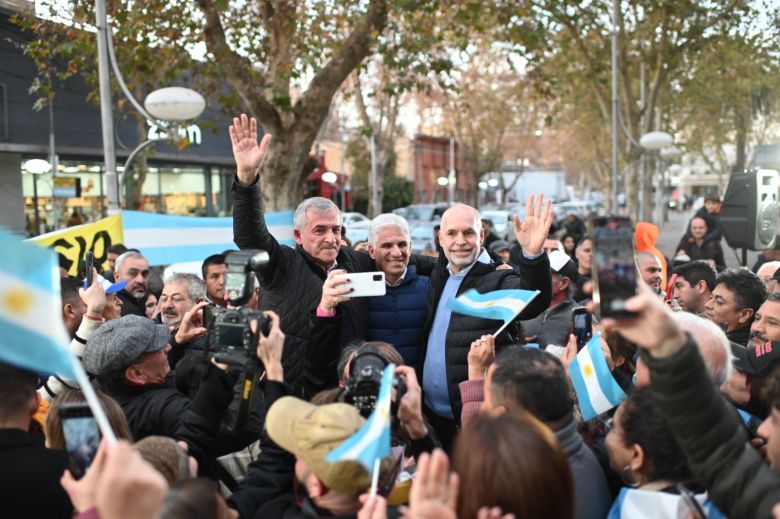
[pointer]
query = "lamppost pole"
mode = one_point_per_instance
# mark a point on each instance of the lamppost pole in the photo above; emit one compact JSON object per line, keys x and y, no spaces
{"x":106,"y":114}
{"x":615,"y":106}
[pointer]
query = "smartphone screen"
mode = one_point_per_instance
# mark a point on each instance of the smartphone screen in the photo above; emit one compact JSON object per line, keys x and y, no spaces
{"x":614,"y":266}
{"x":89,"y":265}
{"x":82,"y":437}
{"x":582,"y":326}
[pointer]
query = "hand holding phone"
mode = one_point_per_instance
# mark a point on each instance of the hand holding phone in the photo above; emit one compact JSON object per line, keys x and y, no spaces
{"x":581,"y":326}
{"x":366,"y":284}
{"x":90,"y":264}
{"x":82,"y":436}
{"x":614,"y":266}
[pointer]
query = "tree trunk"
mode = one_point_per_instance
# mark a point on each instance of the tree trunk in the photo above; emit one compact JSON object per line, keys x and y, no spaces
{"x":282,"y":177}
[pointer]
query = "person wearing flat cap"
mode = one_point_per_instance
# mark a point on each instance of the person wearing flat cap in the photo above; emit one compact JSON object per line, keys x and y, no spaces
{"x":129,"y":359}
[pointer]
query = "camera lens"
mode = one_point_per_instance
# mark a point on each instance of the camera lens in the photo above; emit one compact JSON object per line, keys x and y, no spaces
{"x":377,"y":277}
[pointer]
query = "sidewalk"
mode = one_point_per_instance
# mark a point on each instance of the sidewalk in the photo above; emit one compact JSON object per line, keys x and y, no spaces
{"x":673,"y":230}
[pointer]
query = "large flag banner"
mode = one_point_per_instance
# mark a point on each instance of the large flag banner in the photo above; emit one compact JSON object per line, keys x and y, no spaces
{"x":32,"y":335}
{"x":74,"y":242}
{"x":501,"y":305}
{"x":163,"y":239}
{"x":166,"y":239}
{"x":596,"y":388}
{"x":633,"y":503}
{"x":371,"y":442}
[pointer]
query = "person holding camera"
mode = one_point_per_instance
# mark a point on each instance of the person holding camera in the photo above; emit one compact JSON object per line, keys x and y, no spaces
{"x":129,"y":359}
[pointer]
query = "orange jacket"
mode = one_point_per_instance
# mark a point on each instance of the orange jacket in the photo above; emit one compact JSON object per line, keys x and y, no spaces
{"x":645,"y":238}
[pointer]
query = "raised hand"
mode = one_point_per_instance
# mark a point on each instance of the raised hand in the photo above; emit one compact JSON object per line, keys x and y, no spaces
{"x":434,"y":487}
{"x":535,"y":227}
{"x":410,"y":407}
{"x":247,"y":153}
{"x":481,"y":355}
{"x":191,"y":326}
{"x":271,"y":347}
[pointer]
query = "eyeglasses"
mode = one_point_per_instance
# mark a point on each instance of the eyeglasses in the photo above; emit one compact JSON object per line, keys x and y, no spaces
{"x":609,"y":423}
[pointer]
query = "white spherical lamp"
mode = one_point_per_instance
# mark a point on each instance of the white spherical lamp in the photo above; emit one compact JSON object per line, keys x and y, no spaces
{"x":655,"y":140}
{"x":175,"y":104}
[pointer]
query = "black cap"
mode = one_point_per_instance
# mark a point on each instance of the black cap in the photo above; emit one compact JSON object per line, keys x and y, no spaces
{"x":757,"y":361}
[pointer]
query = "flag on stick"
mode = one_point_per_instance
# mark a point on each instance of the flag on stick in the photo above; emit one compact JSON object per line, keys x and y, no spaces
{"x":596,"y":388}
{"x":32,"y":334}
{"x":371,"y":442}
{"x":501,"y":305}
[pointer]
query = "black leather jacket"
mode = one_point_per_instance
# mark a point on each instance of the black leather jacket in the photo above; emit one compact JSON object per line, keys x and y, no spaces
{"x":717,"y":448}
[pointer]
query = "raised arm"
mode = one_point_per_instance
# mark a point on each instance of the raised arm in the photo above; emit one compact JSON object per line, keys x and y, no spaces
{"x":249,"y":228}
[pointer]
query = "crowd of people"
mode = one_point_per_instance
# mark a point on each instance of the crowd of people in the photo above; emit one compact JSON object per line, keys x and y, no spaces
{"x":486,"y":426}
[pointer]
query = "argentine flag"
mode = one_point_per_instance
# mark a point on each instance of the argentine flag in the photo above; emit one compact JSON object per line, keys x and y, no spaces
{"x":501,"y":305}
{"x":166,"y":239}
{"x":32,"y":334}
{"x":596,"y":389}
{"x":371,"y":442}
{"x":633,"y":503}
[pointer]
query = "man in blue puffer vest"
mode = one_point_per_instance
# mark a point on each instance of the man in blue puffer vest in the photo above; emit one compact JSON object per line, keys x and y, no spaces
{"x":398,"y":317}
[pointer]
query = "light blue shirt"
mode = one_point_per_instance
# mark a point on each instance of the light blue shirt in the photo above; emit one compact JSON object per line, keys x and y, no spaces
{"x":437,"y":396}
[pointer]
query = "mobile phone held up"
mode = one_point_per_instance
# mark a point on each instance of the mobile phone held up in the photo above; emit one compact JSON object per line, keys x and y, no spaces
{"x":89,"y":261}
{"x":581,"y":326}
{"x":366,"y":284}
{"x":614,"y":266}
{"x":82,"y":436}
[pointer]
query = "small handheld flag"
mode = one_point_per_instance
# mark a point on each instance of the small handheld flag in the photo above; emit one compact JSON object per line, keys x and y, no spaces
{"x":501,"y":305}
{"x":32,"y":334}
{"x":597,"y":391}
{"x":371,"y":442}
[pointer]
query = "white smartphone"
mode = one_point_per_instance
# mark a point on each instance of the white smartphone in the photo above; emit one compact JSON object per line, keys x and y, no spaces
{"x":366,"y":284}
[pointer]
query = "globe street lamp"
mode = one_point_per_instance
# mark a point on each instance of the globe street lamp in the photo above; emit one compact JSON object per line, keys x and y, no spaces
{"x":36,"y":167}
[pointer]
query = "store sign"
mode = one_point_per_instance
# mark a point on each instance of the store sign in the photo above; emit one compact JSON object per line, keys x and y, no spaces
{"x":192,"y":133}
{"x":74,"y":242}
{"x":66,"y":187}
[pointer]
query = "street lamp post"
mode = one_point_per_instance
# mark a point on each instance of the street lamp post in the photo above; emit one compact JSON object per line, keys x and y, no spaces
{"x":656,"y":141}
{"x":164,"y":105}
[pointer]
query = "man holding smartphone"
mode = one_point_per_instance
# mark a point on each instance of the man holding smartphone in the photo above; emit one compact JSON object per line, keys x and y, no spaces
{"x":291,"y":282}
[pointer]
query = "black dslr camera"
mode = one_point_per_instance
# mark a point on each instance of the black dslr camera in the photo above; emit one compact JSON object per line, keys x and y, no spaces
{"x":365,"y":379}
{"x":230,"y":337}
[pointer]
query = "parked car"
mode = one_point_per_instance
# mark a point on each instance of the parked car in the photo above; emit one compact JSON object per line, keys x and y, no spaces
{"x":422,"y":212}
{"x":503,"y":222}
{"x":422,"y":237}
{"x":354,"y":220}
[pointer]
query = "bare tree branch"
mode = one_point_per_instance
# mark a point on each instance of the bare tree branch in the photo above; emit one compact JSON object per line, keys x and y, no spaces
{"x":237,"y":75}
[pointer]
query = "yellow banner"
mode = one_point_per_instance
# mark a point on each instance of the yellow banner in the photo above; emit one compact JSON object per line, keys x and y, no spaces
{"x":74,"y":242}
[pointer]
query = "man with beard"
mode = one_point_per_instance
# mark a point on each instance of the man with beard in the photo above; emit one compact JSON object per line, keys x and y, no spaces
{"x":133,"y":268}
{"x":766,"y":324}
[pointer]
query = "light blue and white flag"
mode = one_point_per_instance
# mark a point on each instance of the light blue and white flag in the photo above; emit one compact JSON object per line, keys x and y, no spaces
{"x":32,"y":334}
{"x":633,"y":503}
{"x":164,"y":239}
{"x":596,"y":388}
{"x":501,"y":305}
{"x":371,"y":442}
